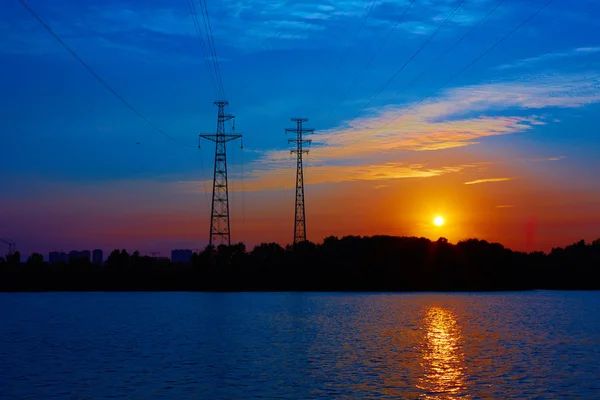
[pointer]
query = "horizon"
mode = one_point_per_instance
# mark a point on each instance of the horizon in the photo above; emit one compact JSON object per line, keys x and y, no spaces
{"x":169,"y":254}
{"x":505,"y":152}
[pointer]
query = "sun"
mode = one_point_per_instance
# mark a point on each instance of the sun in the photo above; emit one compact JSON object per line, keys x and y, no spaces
{"x":438,"y":221}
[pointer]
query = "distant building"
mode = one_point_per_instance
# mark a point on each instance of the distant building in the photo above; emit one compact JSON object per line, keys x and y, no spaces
{"x":181,"y":256}
{"x":97,"y":257}
{"x":57,"y":256}
{"x":79,"y":255}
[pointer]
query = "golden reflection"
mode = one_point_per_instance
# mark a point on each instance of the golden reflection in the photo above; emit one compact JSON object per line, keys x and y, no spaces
{"x":443,"y":360}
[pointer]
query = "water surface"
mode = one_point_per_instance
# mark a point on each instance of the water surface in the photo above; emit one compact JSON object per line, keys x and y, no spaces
{"x":299,"y":346}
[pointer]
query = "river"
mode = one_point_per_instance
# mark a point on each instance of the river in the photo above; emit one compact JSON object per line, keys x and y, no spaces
{"x":299,"y":345}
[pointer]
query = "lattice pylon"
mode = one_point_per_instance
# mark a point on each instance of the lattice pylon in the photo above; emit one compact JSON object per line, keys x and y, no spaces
{"x":219,"y":215}
{"x":300,"y":211}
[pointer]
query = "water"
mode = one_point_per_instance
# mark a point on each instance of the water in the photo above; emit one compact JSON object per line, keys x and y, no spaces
{"x":299,"y":346}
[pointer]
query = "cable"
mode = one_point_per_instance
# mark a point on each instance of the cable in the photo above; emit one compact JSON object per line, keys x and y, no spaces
{"x":395,"y":75}
{"x":205,"y":55}
{"x":481,"y":21}
{"x":213,"y":70}
{"x":327,"y":84}
{"x":208,"y":27}
{"x":95,"y":75}
{"x":213,"y":50}
{"x":415,"y":54}
{"x":372,"y":58}
{"x":450,"y":49}
{"x":469,"y":65}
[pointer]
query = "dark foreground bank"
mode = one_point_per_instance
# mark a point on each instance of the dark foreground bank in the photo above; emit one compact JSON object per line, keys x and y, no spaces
{"x":378,"y":263}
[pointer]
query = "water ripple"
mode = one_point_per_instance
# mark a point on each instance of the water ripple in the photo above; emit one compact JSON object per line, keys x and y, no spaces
{"x":299,"y":346}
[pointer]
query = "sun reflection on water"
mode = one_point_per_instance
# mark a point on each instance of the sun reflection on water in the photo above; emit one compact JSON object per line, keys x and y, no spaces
{"x":443,"y":360}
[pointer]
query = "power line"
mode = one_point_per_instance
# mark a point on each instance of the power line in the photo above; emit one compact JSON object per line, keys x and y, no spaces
{"x":343,"y":58}
{"x":395,"y":75}
{"x":95,"y":75}
{"x":481,"y":21}
{"x":211,"y":42}
{"x":208,"y":46}
{"x":469,"y":65}
{"x":205,"y":55}
{"x":372,"y":58}
{"x":213,"y":71}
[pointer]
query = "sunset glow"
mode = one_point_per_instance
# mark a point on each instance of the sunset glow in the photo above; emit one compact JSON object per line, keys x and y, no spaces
{"x":491,"y":154}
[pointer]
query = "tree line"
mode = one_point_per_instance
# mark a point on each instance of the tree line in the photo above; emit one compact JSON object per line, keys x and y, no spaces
{"x":351,"y":263}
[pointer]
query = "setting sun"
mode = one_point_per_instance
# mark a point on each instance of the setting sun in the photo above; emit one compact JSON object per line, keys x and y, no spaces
{"x":438,"y":221}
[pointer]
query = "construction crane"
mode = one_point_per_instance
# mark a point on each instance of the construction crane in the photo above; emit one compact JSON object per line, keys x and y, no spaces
{"x":11,"y":245}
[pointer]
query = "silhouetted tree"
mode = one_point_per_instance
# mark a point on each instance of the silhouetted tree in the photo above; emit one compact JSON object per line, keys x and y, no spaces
{"x":113,"y":259}
{"x":267,"y":254}
{"x":119,"y":260}
{"x":376,"y":263}
{"x":208,"y":255}
{"x":14,"y":258}
{"x":35,"y":260}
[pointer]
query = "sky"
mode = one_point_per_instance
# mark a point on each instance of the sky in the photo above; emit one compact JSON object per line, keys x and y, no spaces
{"x":420,"y":109}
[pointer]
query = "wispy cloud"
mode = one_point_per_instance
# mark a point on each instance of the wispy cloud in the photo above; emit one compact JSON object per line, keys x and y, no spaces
{"x":506,"y":206}
{"x":258,"y":25}
{"x":425,"y":16}
{"x":218,"y":59}
{"x":279,"y":178}
{"x":368,"y":148}
{"x":577,"y":52}
{"x":488,"y":180}
{"x":448,"y":122}
{"x":549,"y":159}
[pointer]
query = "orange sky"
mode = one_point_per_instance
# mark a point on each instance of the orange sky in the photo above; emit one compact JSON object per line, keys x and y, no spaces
{"x":529,"y":211}
{"x":492,"y":177}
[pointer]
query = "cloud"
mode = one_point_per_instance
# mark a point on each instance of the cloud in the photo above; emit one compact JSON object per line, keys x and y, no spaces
{"x":259,"y":25}
{"x":488,"y":180}
{"x":577,"y":52}
{"x":549,"y":159}
{"x":282,"y":178}
{"x":424,"y":17}
{"x":506,"y":206}
{"x":25,"y":37}
{"x":456,"y":118}
{"x":217,"y":59}
{"x":139,"y":32}
{"x":368,"y":148}
{"x":113,"y":18}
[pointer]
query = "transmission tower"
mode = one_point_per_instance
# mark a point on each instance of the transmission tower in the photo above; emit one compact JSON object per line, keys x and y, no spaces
{"x":219,"y":214}
{"x":300,"y":216}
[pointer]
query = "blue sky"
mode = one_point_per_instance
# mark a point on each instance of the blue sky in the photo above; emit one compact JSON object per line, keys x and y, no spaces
{"x":533,"y":97}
